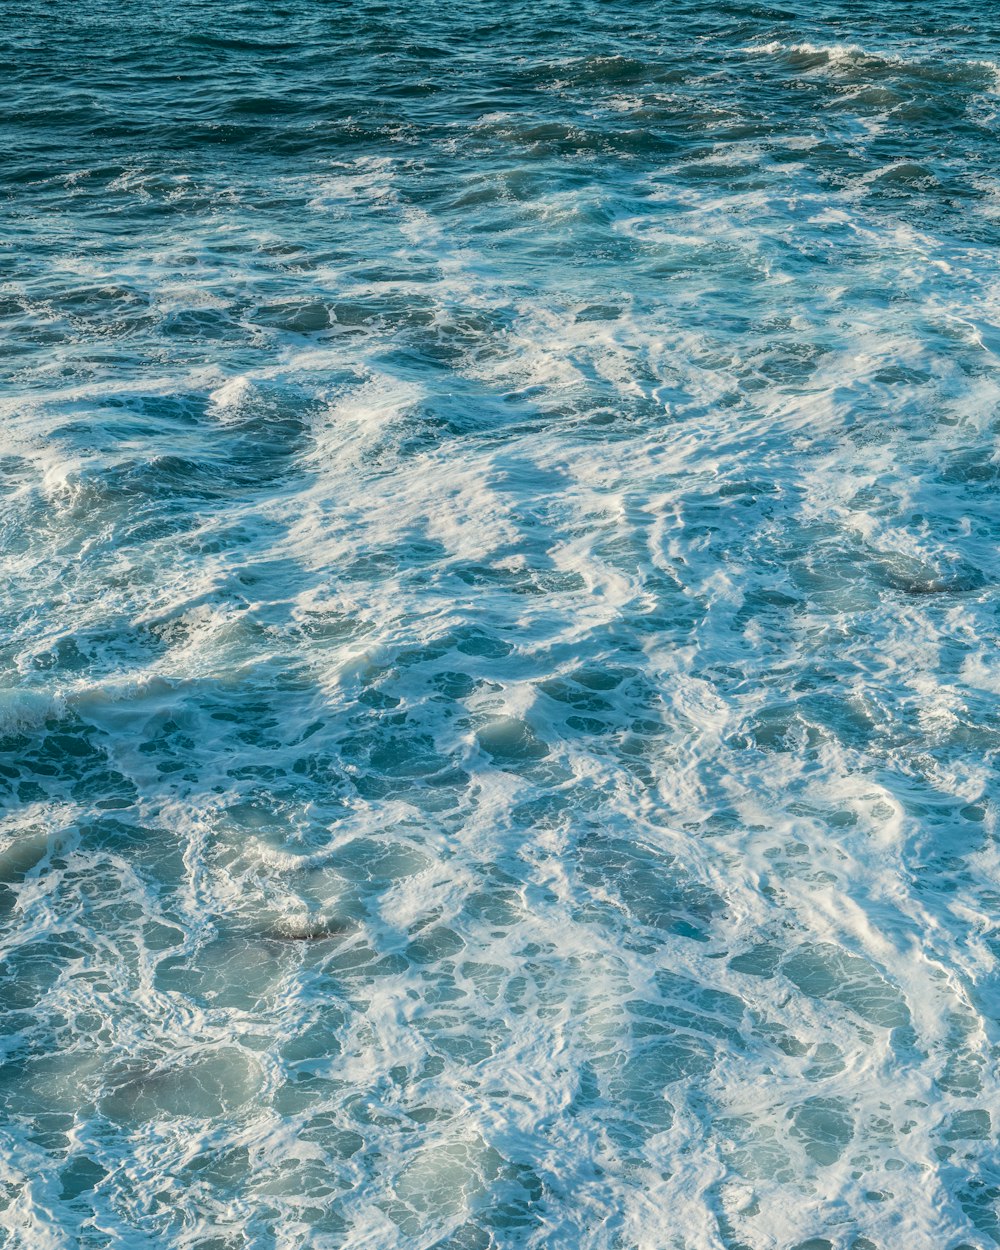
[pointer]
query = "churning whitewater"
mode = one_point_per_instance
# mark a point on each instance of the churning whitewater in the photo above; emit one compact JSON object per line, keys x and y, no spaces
{"x":498,"y":670}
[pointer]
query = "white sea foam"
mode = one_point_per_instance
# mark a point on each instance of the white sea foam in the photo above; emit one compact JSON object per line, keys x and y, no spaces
{"x":524,"y":746}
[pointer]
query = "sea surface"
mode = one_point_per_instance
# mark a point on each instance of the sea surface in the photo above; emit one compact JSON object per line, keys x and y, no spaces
{"x":499,"y":656}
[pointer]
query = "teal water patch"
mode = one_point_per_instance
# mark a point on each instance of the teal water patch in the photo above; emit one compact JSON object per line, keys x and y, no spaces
{"x":498,"y":703}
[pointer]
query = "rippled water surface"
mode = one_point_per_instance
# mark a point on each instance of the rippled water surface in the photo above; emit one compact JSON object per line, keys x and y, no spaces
{"x":498,"y":654}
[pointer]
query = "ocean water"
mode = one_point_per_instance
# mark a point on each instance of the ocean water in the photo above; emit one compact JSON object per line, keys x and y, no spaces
{"x":498,"y":659}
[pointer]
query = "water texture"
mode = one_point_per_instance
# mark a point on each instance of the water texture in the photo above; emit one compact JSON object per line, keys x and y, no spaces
{"x":498,"y":658}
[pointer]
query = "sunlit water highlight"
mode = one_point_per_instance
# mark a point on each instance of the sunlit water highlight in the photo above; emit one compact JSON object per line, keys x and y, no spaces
{"x":498,"y":669}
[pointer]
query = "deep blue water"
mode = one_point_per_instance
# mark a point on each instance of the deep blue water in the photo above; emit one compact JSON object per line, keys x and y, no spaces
{"x":498,"y":655}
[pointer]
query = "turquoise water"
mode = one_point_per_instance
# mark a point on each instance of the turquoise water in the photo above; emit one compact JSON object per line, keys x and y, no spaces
{"x":498,"y":666}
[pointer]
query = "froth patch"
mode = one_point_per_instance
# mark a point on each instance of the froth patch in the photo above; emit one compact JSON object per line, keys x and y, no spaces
{"x":22,"y":710}
{"x":227,"y":399}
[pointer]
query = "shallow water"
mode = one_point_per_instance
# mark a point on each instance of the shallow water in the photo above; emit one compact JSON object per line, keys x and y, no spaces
{"x":498,"y":668}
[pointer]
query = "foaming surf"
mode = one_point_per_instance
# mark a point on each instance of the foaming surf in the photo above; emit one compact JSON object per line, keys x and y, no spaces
{"x":498,"y":708}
